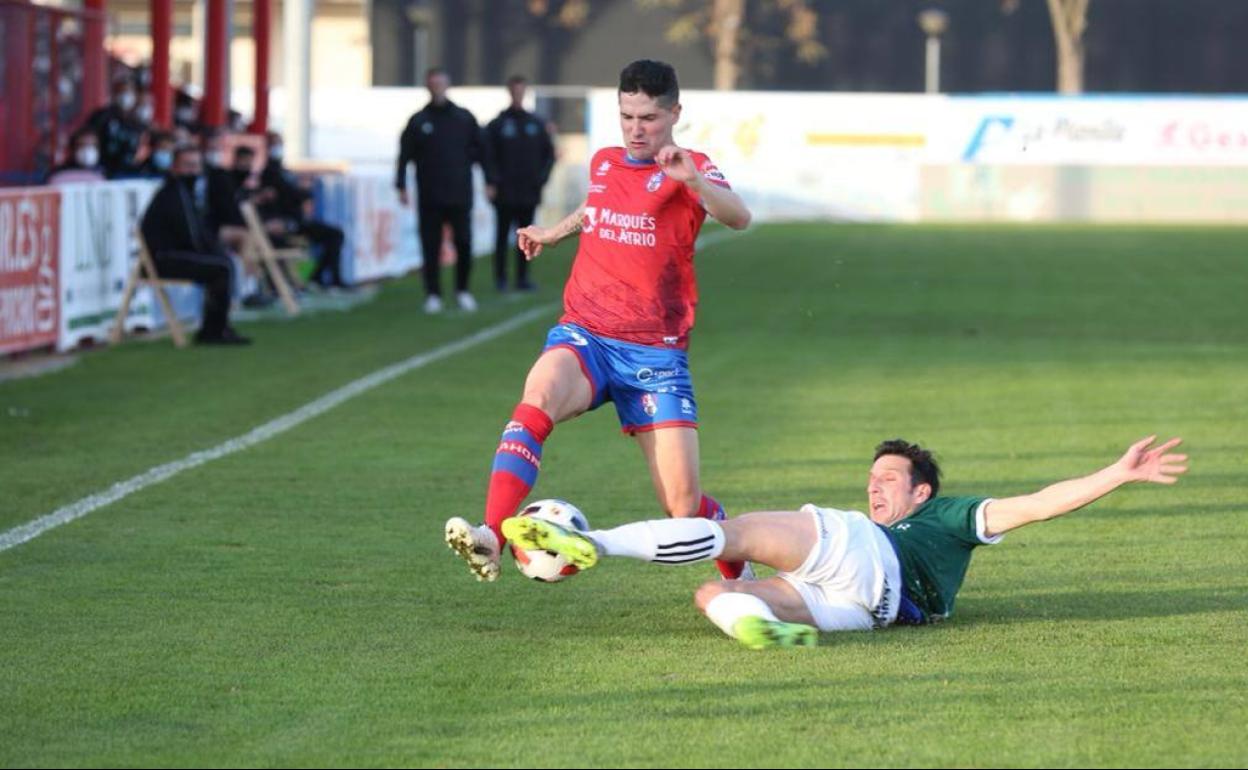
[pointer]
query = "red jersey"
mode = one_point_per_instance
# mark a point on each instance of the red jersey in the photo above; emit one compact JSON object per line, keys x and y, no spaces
{"x":633,"y":277}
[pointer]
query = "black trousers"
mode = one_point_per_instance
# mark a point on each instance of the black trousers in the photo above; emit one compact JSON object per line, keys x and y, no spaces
{"x":432,"y":218}
{"x":507,"y":215}
{"x":328,"y":268}
{"x":212,"y":271}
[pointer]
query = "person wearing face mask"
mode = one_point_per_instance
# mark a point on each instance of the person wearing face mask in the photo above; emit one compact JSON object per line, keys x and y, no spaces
{"x":118,"y":131}
{"x":160,"y":158}
{"x":83,"y":164}
{"x":281,"y":202}
{"x":184,"y":245}
{"x":444,"y":141}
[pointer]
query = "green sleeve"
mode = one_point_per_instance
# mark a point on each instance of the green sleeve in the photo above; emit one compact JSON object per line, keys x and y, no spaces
{"x":958,"y":514}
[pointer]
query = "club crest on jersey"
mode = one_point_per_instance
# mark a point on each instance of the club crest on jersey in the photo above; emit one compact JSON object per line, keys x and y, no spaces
{"x":649,"y":404}
{"x":655,"y":182}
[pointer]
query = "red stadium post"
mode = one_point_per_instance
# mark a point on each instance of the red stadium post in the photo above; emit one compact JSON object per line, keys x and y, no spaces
{"x":261,"y":25}
{"x":162,"y":32}
{"x":216,"y":55}
{"x":95,"y":21}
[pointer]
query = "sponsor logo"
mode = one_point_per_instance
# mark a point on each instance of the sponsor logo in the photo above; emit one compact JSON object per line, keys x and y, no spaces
{"x":516,"y":448}
{"x":594,"y":187}
{"x":618,"y":226}
{"x":650,"y":404}
{"x":645,"y":374}
{"x":996,"y":131}
{"x":655,"y":181}
{"x":1202,"y":136}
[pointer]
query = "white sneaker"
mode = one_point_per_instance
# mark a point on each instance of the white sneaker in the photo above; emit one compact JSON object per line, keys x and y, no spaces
{"x":476,"y":545}
{"x":433,"y":304}
{"x":467,"y":302}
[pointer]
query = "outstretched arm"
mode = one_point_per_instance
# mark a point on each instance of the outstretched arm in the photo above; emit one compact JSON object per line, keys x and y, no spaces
{"x":533,"y":239}
{"x":1140,"y":463}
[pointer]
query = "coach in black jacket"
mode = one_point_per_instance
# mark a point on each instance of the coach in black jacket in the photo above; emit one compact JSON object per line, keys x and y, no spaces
{"x":519,"y":157}
{"x":183,"y":245}
{"x":443,"y":140}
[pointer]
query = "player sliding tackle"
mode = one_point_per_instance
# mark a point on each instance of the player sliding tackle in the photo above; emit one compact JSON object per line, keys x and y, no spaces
{"x":840,"y":570}
{"x":628,"y":310}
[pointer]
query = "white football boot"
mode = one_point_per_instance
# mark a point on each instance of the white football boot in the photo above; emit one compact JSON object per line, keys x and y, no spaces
{"x":476,"y":545}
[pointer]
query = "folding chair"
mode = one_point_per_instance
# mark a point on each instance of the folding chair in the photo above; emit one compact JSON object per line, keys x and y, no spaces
{"x":144,"y":271}
{"x":271,"y":258}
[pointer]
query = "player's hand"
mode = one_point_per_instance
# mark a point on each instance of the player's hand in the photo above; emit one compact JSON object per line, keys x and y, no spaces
{"x":403,"y":197}
{"x":1142,"y":463}
{"x":532,"y":239}
{"x":677,"y":164}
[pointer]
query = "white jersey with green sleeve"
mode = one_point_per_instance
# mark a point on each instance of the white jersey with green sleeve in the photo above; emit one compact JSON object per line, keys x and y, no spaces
{"x":934,"y":547}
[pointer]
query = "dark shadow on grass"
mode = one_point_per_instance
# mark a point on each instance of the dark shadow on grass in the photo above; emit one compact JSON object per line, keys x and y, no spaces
{"x":1102,"y":605}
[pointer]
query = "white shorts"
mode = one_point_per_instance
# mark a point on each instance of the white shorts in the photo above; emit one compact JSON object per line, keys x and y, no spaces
{"x":851,"y":580}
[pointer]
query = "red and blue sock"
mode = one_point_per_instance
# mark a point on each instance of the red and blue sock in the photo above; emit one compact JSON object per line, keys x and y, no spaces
{"x":710,"y":508}
{"x":516,"y":464}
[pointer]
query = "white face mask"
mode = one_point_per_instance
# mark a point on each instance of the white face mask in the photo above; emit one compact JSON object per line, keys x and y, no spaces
{"x":126,"y":100}
{"x":88,"y":156}
{"x":214,"y":157}
{"x":145,"y":113}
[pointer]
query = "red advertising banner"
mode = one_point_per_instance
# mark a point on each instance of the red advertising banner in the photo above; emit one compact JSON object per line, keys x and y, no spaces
{"x":29,"y":274}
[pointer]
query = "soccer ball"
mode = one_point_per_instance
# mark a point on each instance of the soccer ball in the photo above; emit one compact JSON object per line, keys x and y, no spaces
{"x":548,"y":566}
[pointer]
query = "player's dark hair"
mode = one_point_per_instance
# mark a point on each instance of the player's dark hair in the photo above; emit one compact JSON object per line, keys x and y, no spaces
{"x":436,"y":71}
{"x":517,"y":79}
{"x":655,"y":79}
{"x":923,"y":467}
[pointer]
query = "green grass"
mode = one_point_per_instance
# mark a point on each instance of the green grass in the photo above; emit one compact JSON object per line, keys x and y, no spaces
{"x":294,"y":605}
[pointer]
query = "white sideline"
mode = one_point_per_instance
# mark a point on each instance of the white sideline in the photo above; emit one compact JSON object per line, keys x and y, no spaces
{"x":77,"y":510}
{"x":64,"y":515}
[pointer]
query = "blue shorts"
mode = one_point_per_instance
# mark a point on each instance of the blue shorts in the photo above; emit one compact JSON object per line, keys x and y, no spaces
{"x":650,"y":386}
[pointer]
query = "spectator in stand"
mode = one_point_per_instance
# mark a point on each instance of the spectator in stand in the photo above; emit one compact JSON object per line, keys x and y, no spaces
{"x":185,"y":113}
{"x":118,"y":131}
{"x":145,"y":112}
{"x":183,"y":244}
{"x":283,"y":204}
{"x":83,"y":164}
{"x":160,"y":155}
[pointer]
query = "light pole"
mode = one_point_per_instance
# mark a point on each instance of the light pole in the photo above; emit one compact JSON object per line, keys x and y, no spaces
{"x":933,"y":22}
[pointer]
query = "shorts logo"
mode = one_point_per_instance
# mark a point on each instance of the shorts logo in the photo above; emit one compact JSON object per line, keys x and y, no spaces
{"x":645,"y":374}
{"x":686,"y":406}
{"x":650,"y":404}
{"x":655,"y":182}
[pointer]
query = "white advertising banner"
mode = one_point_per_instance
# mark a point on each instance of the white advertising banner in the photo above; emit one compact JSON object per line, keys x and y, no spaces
{"x":800,"y":155}
{"x":1092,"y":131}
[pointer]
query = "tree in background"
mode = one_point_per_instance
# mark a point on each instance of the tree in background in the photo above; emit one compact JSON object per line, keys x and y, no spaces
{"x":739,"y":30}
{"x":1070,"y":21}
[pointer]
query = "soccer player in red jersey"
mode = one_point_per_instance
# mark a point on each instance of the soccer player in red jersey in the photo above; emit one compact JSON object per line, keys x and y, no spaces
{"x":628,"y":308}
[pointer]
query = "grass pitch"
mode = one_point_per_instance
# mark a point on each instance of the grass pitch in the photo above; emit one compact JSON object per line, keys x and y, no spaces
{"x":294,"y":605}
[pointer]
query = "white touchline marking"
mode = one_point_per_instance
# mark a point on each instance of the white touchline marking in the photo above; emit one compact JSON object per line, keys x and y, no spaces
{"x":268,"y":430}
{"x":64,"y":515}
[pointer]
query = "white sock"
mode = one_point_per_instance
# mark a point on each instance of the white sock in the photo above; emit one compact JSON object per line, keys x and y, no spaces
{"x":726,"y":609}
{"x":663,"y":541}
